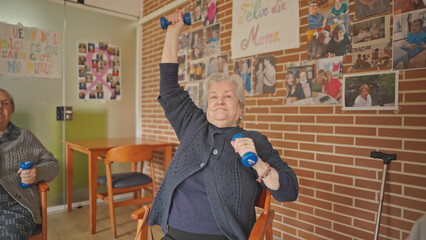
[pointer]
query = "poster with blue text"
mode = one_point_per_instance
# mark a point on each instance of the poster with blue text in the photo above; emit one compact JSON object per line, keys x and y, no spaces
{"x":260,"y":26}
{"x":30,"y":52}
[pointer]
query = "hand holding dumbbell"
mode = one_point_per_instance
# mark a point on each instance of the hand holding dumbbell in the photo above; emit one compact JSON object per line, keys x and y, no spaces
{"x":164,"y":23}
{"x":25,"y":166}
{"x":249,"y":159}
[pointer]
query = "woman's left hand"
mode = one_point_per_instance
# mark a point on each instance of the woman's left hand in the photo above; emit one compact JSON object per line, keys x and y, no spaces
{"x":243,"y":146}
{"x":28,"y":176}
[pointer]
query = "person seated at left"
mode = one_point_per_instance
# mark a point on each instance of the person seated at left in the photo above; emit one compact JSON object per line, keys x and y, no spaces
{"x":20,"y":207}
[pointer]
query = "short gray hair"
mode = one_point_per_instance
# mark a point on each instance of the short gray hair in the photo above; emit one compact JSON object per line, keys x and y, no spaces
{"x":12,"y":101}
{"x":221,"y":77}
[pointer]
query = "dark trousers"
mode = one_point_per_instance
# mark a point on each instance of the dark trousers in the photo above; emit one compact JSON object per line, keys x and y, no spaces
{"x":176,"y":234}
{"x":16,"y":222}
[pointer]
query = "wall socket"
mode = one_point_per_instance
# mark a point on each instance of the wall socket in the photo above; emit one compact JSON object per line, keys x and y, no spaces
{"x":63,"y":113}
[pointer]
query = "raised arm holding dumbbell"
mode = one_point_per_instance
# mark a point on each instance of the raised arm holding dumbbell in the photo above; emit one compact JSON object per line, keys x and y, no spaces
{"x":206,"y":176}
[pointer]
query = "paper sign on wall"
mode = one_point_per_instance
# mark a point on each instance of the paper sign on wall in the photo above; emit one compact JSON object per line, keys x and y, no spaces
{"x":30,"y":52}
{"x":263,"y":26}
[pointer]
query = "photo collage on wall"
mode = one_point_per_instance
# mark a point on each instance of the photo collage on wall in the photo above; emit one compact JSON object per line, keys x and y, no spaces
{"x":409,"y":35}
{"x":332,"y":35}
{"x":99,"y":71}
{"x":319,"y":80}
{"x":199,"y":53}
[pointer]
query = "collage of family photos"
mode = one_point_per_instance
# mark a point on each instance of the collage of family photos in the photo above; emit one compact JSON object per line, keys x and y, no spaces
{"x":199,"y":54}
{"x":99,"y":71}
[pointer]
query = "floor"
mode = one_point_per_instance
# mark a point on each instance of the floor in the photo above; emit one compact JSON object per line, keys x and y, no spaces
{"x":74,"y":225}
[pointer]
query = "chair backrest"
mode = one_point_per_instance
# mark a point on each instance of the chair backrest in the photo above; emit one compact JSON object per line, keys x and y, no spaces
{"x":263,"y":200}
{"x":129,"y":153}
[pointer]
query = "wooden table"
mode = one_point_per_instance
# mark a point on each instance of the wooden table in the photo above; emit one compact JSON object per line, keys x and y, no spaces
{"x":95,"y":147}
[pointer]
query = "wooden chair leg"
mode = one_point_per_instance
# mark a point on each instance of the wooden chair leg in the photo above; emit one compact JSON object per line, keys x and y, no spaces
{"x":112,"y":216}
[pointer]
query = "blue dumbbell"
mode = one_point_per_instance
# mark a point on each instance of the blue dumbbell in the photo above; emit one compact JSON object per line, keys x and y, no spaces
{"x":25,"y":166}
{"x":249,"y":158}
{"x":164,"y":23}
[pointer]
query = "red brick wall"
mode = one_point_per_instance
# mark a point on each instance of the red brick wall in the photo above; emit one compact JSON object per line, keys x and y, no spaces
{"x":327,"y":147}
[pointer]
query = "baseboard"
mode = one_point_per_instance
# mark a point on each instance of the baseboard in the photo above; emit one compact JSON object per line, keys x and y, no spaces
{"x":63,"y":207}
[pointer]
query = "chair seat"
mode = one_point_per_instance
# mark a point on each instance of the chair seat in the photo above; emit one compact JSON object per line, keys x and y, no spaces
{"x":124,"y":180}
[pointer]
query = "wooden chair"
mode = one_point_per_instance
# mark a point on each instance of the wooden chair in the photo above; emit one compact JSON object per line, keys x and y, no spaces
{"x":262,"y":228}
{"x":130,"y":182}
{"x":40,"y":233}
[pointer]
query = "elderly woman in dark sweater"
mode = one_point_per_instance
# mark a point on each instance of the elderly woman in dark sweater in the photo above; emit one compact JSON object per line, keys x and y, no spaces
{"x":207,"y":193}
{"x":20,"y":207}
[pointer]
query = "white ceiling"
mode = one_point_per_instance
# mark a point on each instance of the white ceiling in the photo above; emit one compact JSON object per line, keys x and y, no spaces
{"x":122,"y":8}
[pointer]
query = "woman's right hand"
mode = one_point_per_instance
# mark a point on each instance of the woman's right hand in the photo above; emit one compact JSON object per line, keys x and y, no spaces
{"x":175,"y":29}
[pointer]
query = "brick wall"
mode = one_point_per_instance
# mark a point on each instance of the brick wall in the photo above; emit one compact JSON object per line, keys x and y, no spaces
{"x":327,"y":147}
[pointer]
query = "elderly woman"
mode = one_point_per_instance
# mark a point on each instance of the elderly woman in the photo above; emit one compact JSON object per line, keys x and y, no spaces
{"x":318,"y":46}
{"x":20,"y":207}
{"x":206,"y":192}
{"x":364,"y":99}
{"x":340,"y":44}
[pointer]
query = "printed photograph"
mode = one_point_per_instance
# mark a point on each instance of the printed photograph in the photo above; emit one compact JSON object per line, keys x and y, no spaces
{"x":330,"y":41}
{"x":371,"y":31}
{"x":197,"y":70}
{"x":371,"y":56}
{"x":329,"y":90}
{"x":222,"y":63}
{"x":368,"y":8}
{"x":327,"y":12}
{"x":317,"y":43}
{"x":265,"y":75}
{"x":243,"y":67}
{"x":212,"y":42}
{"x":198,"y":16}
{"x":82,"y":48}
{"x":299,"y":84}
{"x":371,"y":91}
{"x":197,"y":44}
{"x":403,"y":6}
{"x":409,"y":41}
{"x":209,"y":12}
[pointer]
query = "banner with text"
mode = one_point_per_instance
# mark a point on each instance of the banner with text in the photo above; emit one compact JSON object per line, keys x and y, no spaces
{"x":261,"y":26}
{"x":30,"y":52}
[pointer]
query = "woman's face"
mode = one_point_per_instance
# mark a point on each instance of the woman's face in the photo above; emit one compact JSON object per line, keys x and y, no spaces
{"x":290,"y":79}
{"x":338,"y":35}
{"x":5,"y":110}
{"x":244,"y":68}
{"x":337,"y":2}
{"x":328,"y":74}
{"x":416,"y":27}
{"x":320,"y":78}
{"x":223,"y":107}
{"x":364,"y":92}
{"x":302,"y":77}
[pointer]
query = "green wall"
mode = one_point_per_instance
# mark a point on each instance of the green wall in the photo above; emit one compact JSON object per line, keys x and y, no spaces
{"x":36,"y":99}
